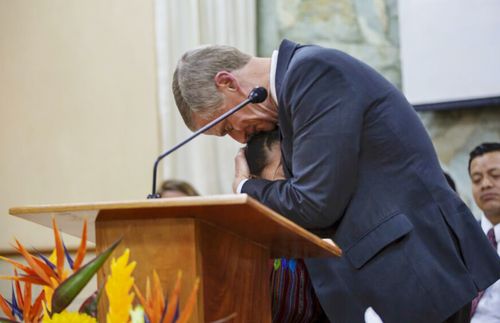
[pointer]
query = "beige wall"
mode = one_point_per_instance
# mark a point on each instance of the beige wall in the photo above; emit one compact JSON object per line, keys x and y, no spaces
{"x":78,"y":110}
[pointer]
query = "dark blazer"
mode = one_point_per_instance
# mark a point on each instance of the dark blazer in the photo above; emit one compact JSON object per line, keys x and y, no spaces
{"x":362,"y":170}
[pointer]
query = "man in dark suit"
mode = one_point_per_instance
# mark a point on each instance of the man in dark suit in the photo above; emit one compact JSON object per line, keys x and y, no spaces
{"x":484,"y":171}
{"x":360,"y":170}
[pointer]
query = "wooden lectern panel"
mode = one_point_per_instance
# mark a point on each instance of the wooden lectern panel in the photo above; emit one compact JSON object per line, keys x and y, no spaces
{"x":234,"y":273}
{"x":235,"y":276}
{"x":226,"y":241}
{"x":165,"y":245}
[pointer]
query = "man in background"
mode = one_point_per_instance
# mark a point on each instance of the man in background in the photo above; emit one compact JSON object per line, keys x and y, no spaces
{"x":484,"y":171}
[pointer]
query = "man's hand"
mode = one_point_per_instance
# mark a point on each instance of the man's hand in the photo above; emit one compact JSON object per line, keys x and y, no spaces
{"x":241,"y":170}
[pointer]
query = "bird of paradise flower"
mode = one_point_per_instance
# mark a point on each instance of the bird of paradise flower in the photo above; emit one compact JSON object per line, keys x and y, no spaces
{"x":20,"y":305}
{"x":157,"y":311}
{"x":42,"y":271}
{"x":59,"y":288}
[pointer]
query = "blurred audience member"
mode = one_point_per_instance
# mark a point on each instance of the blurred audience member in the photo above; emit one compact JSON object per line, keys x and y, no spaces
{"x":176,"y":188}
{"x":484,"y":171}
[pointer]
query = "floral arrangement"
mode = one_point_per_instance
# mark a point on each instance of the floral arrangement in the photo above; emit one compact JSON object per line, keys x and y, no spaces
{"x":60,"y":286}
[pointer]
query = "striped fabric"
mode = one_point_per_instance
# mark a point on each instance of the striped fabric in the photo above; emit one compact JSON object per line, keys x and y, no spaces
{"x":292,"y":295}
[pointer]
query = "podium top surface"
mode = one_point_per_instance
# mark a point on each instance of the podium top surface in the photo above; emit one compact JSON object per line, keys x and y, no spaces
{"x":239,"y":214}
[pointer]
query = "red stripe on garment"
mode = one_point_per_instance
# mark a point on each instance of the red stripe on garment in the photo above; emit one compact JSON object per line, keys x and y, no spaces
{"x":293,"y":299}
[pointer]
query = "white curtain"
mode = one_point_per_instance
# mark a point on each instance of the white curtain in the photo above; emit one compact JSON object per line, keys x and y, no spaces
{"x":207,"y":162}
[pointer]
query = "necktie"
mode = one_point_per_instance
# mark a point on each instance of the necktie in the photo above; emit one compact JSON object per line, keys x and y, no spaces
{"x":475,"y":301}
{"x":492,"y":238}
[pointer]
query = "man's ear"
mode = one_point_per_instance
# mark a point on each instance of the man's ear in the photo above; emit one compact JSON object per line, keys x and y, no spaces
{"x":226,"y":81}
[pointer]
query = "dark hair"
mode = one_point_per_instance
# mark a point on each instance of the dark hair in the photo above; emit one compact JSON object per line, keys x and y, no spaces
{"x":177,"y":185}
{"x":257,"y":150}
{"x":485,"y":147}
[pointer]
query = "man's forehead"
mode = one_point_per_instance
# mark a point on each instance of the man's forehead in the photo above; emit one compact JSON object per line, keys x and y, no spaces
{"x":486,"y":161}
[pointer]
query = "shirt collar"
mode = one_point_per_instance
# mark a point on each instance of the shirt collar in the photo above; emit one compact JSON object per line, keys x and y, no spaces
{"x":486,"y":225}
{"x":272,"y":76}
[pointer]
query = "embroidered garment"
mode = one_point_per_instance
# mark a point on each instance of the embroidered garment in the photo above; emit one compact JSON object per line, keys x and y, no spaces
{"x":292,"y":295}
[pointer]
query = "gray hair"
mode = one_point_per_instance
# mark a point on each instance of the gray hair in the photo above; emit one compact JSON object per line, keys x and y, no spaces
{"x":193,"y":83}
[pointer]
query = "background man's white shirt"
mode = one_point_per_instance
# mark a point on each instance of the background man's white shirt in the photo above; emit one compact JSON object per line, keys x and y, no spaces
{"x":488,"y":309}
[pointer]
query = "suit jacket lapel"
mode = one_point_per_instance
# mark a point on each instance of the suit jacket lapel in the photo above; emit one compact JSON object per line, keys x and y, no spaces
{"x":285,"y":53}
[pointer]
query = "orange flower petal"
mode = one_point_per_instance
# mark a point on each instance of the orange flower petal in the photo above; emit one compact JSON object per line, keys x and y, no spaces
{"x":159,"y":300}
{"x":6,"y":308}
{"x":80,"y":254}
{"x":19,"y":265}
{"x":37,"y":308}
{"x":29,"y":258}
{"x":139,"y":296}
{"x":150,"y":301}
{"x":153,"y":316}
{"x":148,"y":290}
{"x":59,"y":248}
{"x":143,"y":301}
{"x":173,"y":299}
{"x":47,"y":269}
{"x":31,"y":279}
{"x":19,"y":294}
{"x":27,"y":300}
{"x":188,"y":309}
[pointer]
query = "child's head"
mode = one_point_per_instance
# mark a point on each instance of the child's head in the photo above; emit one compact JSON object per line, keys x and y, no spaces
{"x":263,"y":155}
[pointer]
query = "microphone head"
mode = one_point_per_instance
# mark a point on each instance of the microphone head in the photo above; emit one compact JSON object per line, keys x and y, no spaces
{"x":258,"y":95}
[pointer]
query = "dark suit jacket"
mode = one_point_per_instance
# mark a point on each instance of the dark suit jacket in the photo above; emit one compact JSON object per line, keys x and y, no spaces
{"x":363,"y":171}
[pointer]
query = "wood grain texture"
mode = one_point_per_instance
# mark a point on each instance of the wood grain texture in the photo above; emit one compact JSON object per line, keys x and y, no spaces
{"x":235,"y":276}
{"x":161,"y":244}
{"x":234,"y":272}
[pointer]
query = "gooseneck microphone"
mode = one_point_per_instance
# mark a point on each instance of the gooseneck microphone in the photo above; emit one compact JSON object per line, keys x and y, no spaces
{"x":257,"y":95}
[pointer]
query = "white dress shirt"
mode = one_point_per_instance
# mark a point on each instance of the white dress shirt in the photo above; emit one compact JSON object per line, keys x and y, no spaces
{"x":488,"y":309}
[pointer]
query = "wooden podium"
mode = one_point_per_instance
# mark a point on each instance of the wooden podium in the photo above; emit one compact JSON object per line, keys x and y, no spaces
{"x":227,"y":241}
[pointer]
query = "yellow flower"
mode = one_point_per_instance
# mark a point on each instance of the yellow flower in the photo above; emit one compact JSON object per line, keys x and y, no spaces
{"x":137,"y":314}
{"x":117,"y":287}
{"x":69,"y":317}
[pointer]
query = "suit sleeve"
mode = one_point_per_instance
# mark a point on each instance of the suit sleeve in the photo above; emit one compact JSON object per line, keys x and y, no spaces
{"x":326,"y":117}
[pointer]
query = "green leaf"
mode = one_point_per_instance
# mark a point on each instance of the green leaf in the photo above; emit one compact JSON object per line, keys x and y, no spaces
{"x":65,"y":293}
{"x":5,"y":320}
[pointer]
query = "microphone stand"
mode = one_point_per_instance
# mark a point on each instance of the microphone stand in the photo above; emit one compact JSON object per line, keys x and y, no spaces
{"x":255,"y":96}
